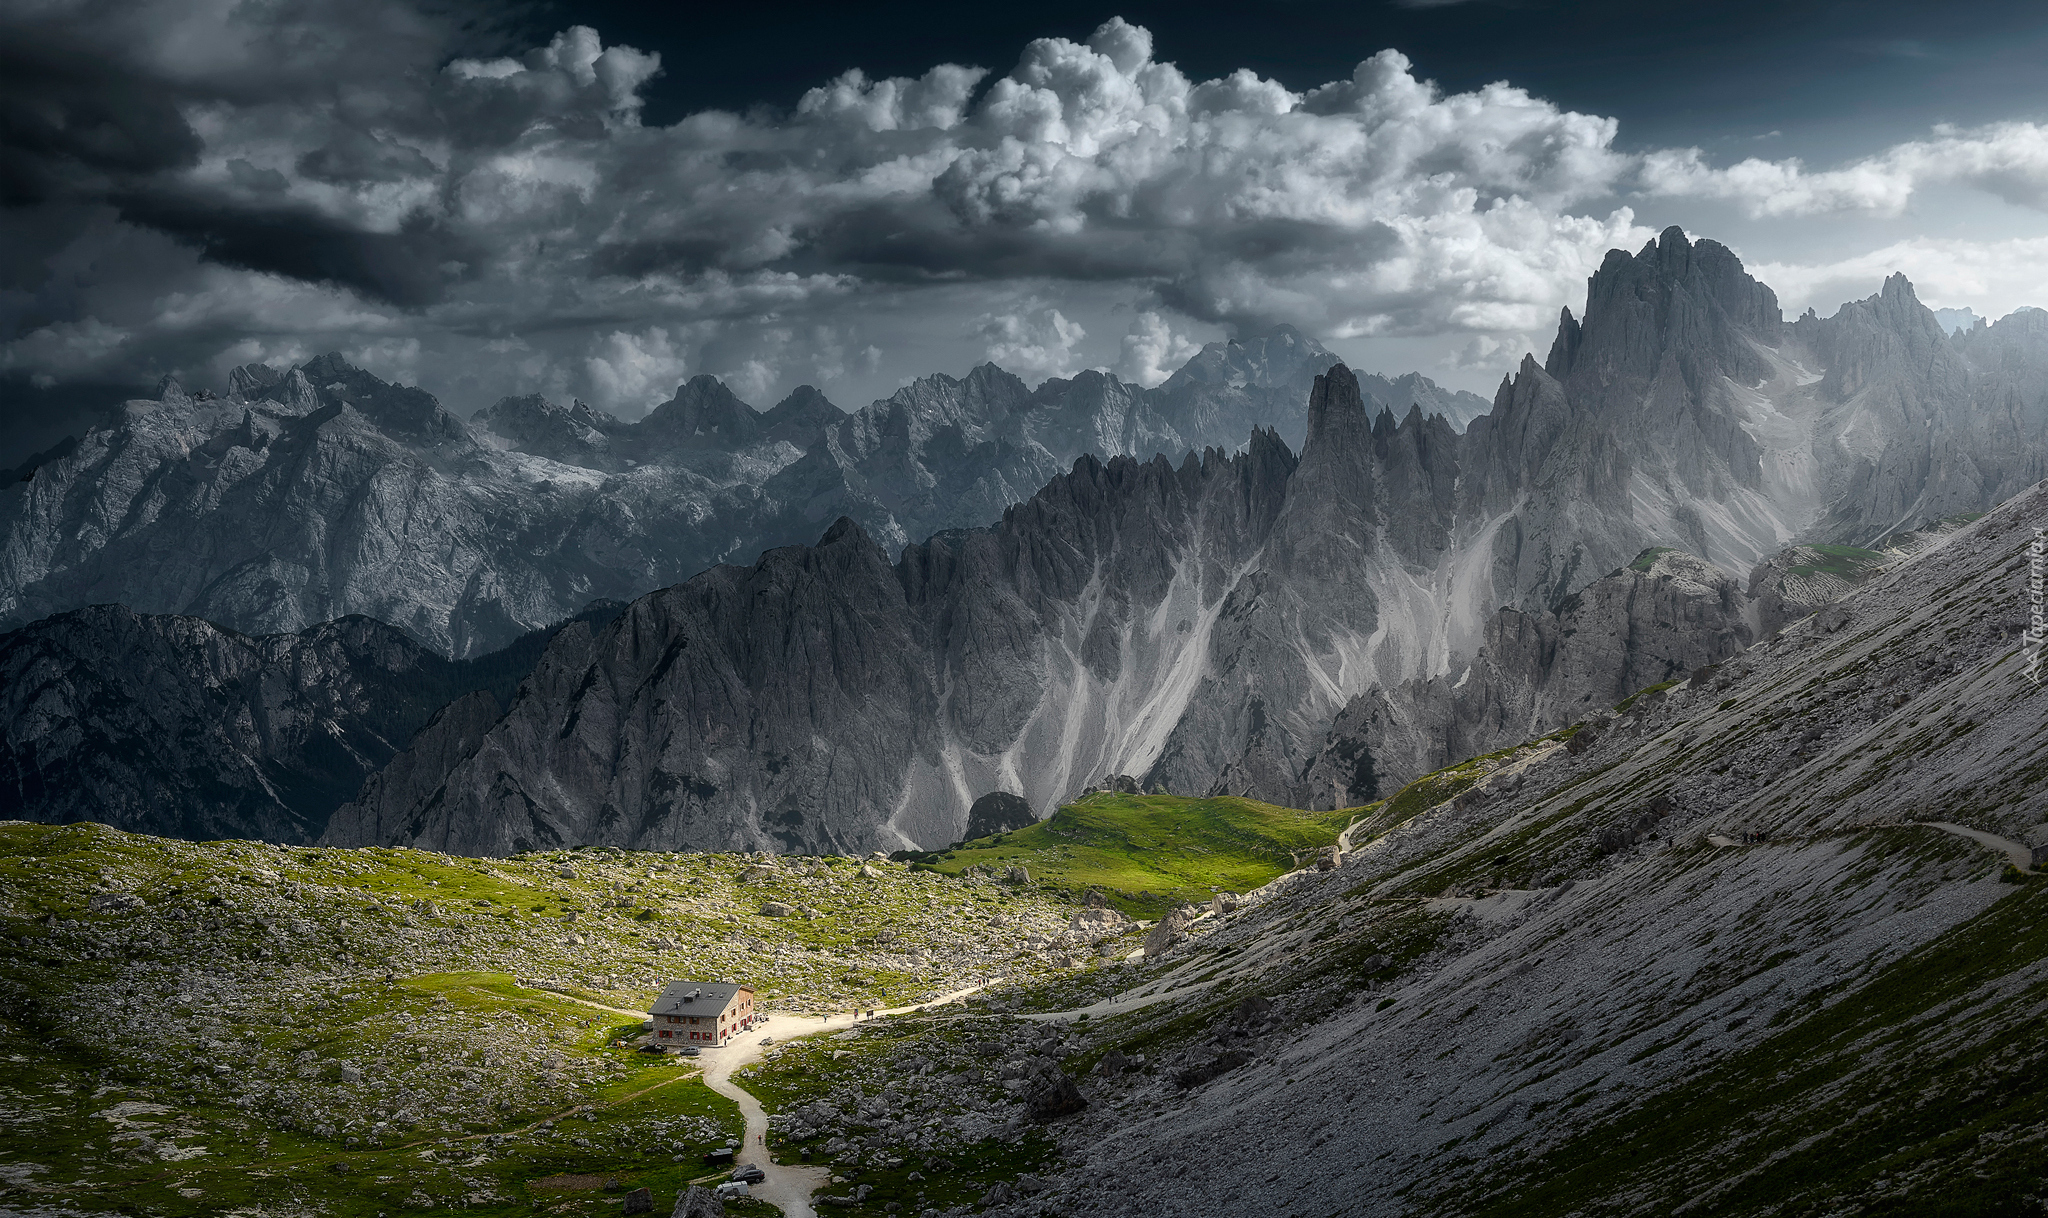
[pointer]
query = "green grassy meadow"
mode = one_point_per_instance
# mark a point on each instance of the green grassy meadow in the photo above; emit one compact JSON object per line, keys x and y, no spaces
{"x":1149,"y":853}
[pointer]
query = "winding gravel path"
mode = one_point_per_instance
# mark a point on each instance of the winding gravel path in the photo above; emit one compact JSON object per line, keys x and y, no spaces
{"x":2021,"y":856}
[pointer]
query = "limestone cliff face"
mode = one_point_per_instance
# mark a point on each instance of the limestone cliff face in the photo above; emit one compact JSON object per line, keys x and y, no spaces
{"x":1921,"y":426}
{"x":1198,"y":625}
{"x":1656,"y":620}
{"x":1431,"y":594}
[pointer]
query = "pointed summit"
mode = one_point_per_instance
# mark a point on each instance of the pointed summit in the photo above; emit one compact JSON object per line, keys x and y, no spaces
{"x":1565,"y":348}
{"x":1687,"y":301}
{"x":704,"y":413}
{"x":1337,"y":416}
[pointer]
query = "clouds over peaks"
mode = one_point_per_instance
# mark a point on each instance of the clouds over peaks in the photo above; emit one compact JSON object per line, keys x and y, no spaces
{"x":366,"y":173}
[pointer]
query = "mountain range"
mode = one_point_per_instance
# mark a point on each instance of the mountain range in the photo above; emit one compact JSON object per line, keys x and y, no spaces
{"x":1319,"y":596}
{"x":321,"y":491}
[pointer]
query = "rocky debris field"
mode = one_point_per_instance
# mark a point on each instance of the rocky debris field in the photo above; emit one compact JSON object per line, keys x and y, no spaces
{"x":199,"y":1028}
{"x":1704,"y":951}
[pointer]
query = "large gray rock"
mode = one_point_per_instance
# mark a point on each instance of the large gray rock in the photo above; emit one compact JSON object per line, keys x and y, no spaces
{"x":998,"y":812}
{"x":697,"y":1202}
{"x":1166,"y":933}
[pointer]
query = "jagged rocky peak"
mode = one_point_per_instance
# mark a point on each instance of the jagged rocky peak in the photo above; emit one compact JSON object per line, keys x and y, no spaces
{"x":1687,"y":300}
{"x":986,"y":396}
{"x":703,"y":412}
{"x":577,"y":434}
{"x":1337,"y":418}
{"x":801,"y":417}
{"x":400,"y":409}
{"x":1886,"y":339}
{"x":329,"y":380}
{"x":1414,"y":389}
{"x":2013,"y":349}
{"x":1280,"y":356}
{"x":252,"y":380}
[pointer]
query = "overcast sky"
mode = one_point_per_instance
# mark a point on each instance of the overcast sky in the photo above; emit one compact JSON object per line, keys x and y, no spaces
{"x":599,"y":200}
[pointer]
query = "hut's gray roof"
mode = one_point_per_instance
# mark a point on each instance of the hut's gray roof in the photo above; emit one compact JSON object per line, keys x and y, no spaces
{"x":696,"y":997}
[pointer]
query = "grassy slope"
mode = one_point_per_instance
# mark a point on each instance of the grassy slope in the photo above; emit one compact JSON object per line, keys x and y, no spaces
{"x":1845,"y":561}
{"x":345,"y":1032}
{"x":1149,"y":853}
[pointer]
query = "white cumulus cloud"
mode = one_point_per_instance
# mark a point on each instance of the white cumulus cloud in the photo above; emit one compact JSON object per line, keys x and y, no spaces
{"x":1152,"y":350}
{"x":630,"y":374}
{"x":2007,"y":160}
{"x":1036,"y":343}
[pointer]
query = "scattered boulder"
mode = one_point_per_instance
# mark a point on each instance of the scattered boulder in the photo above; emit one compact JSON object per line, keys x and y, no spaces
{"x":1057,"y":1095}
{"x":1832,"y":618}
{"x":1165,"y":933}
{"x":775,"y":909}
{"x":1116,"y":1061}
{"x":998,"y":812}
{"x":1097,"y":922}
{"x":698,"y":1202}
{"x":1251,"y":1009}
{"x":639,"y":1201}
{"x":1019,"y":875}
{"x":1628,"y":833}
{"x":1200,"y":1072}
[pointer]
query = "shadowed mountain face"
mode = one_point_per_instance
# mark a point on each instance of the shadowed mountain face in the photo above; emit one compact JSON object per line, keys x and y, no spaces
{"x":176,"y":726}
{"x":1202,"y":625}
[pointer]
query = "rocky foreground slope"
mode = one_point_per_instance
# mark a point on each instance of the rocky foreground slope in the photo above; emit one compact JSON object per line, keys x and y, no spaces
{"x":1711,"y":952}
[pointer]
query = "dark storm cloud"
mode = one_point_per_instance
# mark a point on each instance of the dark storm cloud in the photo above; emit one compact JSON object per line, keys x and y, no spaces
{"x":353,"y":156}
{"x":70,"y":120}
{"x":409,"y":268}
